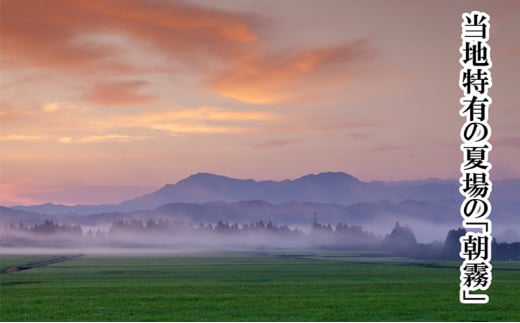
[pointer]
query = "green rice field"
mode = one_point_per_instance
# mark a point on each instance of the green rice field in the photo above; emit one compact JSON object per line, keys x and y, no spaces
{"x":267,"y":286}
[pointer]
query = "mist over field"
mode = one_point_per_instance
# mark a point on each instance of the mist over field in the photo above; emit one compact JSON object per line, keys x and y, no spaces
{"x":210,"y":213}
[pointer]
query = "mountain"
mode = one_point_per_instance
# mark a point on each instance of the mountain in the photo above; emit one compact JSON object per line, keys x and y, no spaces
{"x":51,"y":208}
{"x":10,"y":215}
{"x":325,"y":188}
{"x":204,"y":187}
{"x":290,"y":213}
{"x":303,"y":213}
{"x":330,"y":187}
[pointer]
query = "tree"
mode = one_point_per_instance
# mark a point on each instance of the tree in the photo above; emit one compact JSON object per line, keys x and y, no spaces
{"x":401,"y":241}
{"x":452,"y":244}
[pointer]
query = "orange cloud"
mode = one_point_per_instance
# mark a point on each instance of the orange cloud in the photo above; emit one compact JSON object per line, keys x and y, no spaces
{"x":53,"y":107}
{"x":118,"y":93}
{"x":222,"y":47}
{"x":67,"y":123}
{"x":41,"y":34}
{"x":201,"y":113}
{"x":21,"y":137}
{"x":281,"y":78}
{"x":215,"y":113}
{"x":101,"y":138}
{"x":203,"y":120}
{"x":9,"y":113}
{"x":183,"y":129}
{"x":176,"y":16}
{"x":48,"y":33}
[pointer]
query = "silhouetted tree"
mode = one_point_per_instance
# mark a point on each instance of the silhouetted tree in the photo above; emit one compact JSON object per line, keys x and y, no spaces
{"x":401,"y":241}
{"x":452,"y":244}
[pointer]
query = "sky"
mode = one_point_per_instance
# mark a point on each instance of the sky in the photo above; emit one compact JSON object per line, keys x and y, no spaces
{"x":101,"y":101}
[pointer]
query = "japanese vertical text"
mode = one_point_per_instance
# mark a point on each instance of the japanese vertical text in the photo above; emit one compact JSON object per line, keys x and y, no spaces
{"x":475,"y":184}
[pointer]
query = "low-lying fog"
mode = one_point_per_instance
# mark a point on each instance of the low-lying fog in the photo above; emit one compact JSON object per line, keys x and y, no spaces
{"x":164,"y":236}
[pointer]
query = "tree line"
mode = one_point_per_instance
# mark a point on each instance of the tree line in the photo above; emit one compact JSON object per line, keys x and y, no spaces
{"x":401,"y":241}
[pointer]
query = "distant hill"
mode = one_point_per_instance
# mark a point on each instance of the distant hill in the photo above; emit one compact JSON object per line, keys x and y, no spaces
{"x":338,"y":188}
{"x":10,"y":215}
{"x":435,"y":199}
{"x":430,"y":206}
{"x":302,"y":213}
{"x":291,"y":213}
{"x":203,"y":187}
{"x":58,"y":209}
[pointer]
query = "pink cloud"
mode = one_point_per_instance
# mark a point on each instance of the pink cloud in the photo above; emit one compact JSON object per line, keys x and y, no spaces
{"x":46,"y":33}
{"x":118,"y":93}
{"x":222,"y":47}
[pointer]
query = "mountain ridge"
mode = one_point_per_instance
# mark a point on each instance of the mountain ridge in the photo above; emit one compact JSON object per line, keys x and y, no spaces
{"x":326,"y":187}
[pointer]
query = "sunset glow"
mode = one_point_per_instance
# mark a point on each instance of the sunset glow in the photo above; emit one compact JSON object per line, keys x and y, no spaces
{"x":126,"y":96}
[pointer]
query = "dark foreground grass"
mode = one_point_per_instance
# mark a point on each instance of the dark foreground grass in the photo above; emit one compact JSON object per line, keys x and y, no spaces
{"x":252,"y":288}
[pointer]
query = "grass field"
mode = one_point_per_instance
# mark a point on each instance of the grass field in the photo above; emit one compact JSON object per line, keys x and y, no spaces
{"x":252,"y":287}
